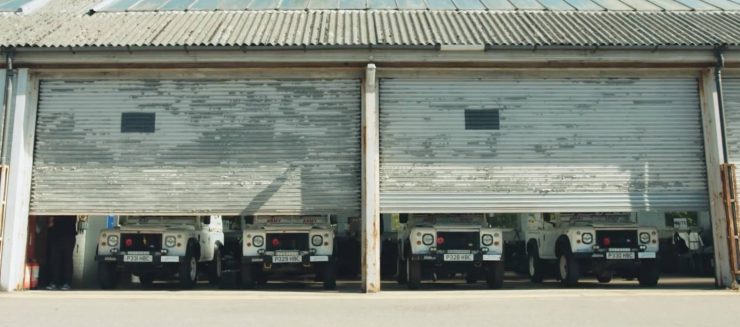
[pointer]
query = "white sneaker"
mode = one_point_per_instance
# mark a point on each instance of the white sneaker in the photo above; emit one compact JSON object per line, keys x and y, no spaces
{"x":65,"y":287}
{"x":51,"y":287}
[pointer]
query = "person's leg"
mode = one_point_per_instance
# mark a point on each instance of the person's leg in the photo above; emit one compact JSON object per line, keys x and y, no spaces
{"x":69,"y":246}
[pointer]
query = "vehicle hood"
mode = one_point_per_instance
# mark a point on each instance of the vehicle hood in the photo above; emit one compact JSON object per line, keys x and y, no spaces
{"x":156,"y":228}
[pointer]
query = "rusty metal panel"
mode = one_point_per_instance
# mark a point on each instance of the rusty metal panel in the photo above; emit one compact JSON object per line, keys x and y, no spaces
{"x":731,"y":88}
{"x":607,"y":144}
{"x":218,"y":146}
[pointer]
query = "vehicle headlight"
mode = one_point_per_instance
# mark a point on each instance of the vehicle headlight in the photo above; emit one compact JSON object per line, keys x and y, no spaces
{"x":170,"y":241}
{"x":487,"y":239}
{"x":427,"y":239}
{"x":587,"y":238}
{"x":258,"y":240}
{"x":644,"y":237}
{"x":317,"y":240}
{"x":112,"y":240}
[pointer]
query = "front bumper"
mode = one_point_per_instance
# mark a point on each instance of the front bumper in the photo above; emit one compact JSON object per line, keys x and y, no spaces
{"x":123,"y":259}
{"x":440,"y":258}
{"x":606,"y":255}
{"x":304,"y":259}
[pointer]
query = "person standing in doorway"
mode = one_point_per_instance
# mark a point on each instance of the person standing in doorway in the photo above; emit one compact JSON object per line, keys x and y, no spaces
{"x":61,"y":236}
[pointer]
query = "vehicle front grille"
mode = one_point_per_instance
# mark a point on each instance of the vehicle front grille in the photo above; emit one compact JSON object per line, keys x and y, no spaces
{"x":287,"y":241}
{"x":617,"y":238}
{"x":459,"y":240}
{"x":141,"y":242}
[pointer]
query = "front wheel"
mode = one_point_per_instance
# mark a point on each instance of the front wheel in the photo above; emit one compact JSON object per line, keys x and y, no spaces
{"x":248,"y":276}
{"x":188,"y":271}
{"x":401,"y":270}
{"x":215,"y":268}
{"x":107,"y":275}
{"x":568,"y":268}
{"x":535,"y":267}
{"x":413,"y":272}
{"x":649,"y":273}
{"x":494,"y":274}
{"x":330,"y":275}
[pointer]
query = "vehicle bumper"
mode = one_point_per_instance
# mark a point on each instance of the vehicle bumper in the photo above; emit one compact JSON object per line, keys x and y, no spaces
{"x":157,"y":259}
{"x":302,"y":259}
{"x":439,"y":258}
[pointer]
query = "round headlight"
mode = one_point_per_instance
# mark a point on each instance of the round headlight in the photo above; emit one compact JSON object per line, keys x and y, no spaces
{"x":644,"y":237}
{"x":427,"y":239}
{"x":258,"y":241}
{"x":317,"y":240}
{"x":170,"y":241}
{"x":587,"y":238}
{"x":112,"y":240}
{"x":487,"y":239}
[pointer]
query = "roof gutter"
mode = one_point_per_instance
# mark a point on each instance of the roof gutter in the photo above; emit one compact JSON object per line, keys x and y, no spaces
{"x":719,"y":54}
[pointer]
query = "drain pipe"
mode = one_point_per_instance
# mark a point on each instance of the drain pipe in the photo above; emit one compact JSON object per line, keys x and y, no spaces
{"x":719,"y":54}
{"x":7,"y":104}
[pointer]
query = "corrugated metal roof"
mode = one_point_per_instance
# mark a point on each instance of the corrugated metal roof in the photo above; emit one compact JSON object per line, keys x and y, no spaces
{"x":64,"y":23}
{"x":580,"y":5}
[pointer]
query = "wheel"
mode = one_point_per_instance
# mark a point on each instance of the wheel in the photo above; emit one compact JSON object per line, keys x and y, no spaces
{"x":535,"y":266}
{"x":146,"y":280}
{"x":471,"y":278}
{"x":568,"y":268}
{"x":604,"y":277}
{"x":401,"y":270}
{"x":413,"y":274}
{"x":215,"y":267}
{"x":248,"y":276}
{"x":107,"y":275}
{"x":330,"y":275}
{"x":188,"y":272}
{"x":649,"y":273}
{"x":494,"y":274}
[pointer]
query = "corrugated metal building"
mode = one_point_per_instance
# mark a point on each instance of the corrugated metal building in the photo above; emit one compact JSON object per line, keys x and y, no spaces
{"x":365,"y":107}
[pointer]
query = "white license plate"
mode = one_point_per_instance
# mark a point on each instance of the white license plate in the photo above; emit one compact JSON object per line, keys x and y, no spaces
{"x":286,"y":259}
{"x":620,"y":255}
{"x":137,"y":258}
{"x":458,"y":257}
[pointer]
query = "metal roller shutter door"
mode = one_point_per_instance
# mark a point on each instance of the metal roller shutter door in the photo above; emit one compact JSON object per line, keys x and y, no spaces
{"x":731,"y":88}
{"x":219,"y":146}
{"x":563,"y":145}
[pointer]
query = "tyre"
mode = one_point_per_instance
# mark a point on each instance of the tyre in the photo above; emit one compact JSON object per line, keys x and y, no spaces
{"x":413,"y":274}
{"x":471,"y":277}
{"x":188,"y":272}
{"x":535,"y":266}
{"x":146,"y":280}
{"x":649,"y":273}
{"x":248,"y":276}
{"x":401,"y":270}
{"x":330,"y":275}
{"x":107,"y":275}
{"x":215,"y":267}
{"x":568,"y":269}
{"x":604,"y":277}
{"x":494,"y":274}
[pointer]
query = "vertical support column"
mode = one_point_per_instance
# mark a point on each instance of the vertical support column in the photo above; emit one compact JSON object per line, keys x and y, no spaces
{"x":714,"y":156}
{"x":19,"y":183}
{"x":370,"y":183}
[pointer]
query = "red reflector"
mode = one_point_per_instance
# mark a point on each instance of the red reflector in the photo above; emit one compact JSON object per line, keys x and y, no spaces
{"x":440,"y":240}
{"x":129,"y":242}
{"x":607,"y":241}
{"x":275,"y":242}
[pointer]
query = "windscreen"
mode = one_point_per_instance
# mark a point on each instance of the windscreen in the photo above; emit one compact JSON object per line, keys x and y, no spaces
{"x":598,"y":218}
{"x":448,"y":219}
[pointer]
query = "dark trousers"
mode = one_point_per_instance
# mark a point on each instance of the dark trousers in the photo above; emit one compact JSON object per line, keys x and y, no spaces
{"x":61,"y":259}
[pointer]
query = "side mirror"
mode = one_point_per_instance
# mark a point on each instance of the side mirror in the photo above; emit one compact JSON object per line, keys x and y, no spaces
{"x":333,"y":219}
{"x":207,"y":220}
{"x":403,"y":218}
{"x":248,"y":220}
